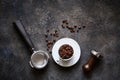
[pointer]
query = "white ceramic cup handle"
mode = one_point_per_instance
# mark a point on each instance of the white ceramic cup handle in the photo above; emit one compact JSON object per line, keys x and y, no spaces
{"x":31,"y":64}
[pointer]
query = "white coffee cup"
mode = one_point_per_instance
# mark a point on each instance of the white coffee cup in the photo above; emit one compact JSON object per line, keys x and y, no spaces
{"x":66,"y":59}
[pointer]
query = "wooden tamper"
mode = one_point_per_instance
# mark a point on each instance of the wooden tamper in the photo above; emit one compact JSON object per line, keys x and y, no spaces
{"x":87,"y":67}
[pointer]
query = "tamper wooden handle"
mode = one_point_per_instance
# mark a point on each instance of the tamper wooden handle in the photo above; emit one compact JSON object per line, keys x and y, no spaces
{"x":90,"y":63}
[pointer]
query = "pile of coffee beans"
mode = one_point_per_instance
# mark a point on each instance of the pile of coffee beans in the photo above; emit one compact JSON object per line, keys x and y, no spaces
{"x":72,"y":29}
{"x":53,"y":35}
{"x":65,"y":51}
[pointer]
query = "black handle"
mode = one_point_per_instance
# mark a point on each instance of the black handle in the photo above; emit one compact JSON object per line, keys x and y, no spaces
{"x":23,"y":32}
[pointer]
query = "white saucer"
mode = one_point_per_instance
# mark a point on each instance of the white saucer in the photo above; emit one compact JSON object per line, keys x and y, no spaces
{"x":76,"y":55}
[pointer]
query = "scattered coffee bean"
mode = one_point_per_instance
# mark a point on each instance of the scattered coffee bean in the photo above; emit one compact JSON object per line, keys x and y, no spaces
{"x":49,"y":42}
{"x":84,"y":26}
{"x":48,"y":31}
{"x":50,"y":52}
{"x":79,"y":27}
{"x":56,"y":31}
{"x":77,"y":30}
{"x":72,"y":31}
{"x":54,"y":34}
{"x":48,"y":45}
{"x":46,"y":35}
{"x":75,"y":26}
{"x":67,"y":26}
{"x":67,"y":23}
{"x":47,"y":49}
{"x":64,"y":21}
{"x":51,"y":34}
{"x":46,"y":40}
{"x":54,"y":41}
{"x":63,"y":26}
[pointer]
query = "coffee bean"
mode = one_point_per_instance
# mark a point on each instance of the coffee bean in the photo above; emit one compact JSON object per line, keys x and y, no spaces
{"x":67,"y":26}
{"x":67,"y":23}
{"x":51,"y":34}
{"x":57,"y":35}
{"x":64,"y":21}
{"x":46,"y":40}
{"x":56,"y":31}
{"x":48,"y":31}
{"x":72,"y":31}
{"x":79,"y":27}
{"x":54,"y":34}
{"x":70,"y":28}
{"x":49,"y":42}
{"x":75,"y":26}
{"x":47,"y":49}
{"x":54,"y":41}
{"x":84,"y":26}
{"x":63,"y":26}
{"x":77,"y":30}
{"x":48,"y":45}
{"x":50,"y":52}
{"x":46,"y":35}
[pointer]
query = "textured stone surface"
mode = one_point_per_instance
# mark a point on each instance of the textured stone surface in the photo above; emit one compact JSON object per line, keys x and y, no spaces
{"x":102,"y":33}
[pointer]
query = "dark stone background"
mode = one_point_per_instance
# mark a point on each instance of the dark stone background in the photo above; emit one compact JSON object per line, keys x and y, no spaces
{"x":102,"y":33}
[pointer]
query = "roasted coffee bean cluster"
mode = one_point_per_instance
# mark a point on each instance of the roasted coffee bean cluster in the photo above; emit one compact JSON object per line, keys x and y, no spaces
{"x":65,"y":51}
{"x":55,"y":33}
{"x":49,"y":42}
{"x":72,"y":29}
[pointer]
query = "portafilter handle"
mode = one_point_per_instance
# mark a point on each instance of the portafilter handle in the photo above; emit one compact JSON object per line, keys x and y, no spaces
{"x":20,"y":27}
